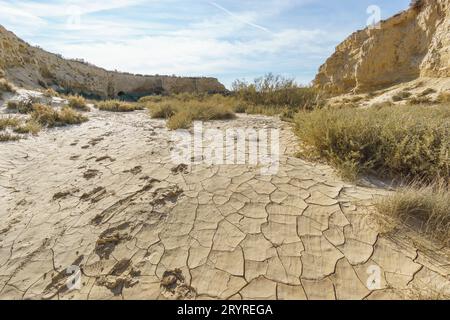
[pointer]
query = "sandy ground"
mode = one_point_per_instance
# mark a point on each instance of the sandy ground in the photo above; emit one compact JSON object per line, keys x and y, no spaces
{"x":105,"y":201}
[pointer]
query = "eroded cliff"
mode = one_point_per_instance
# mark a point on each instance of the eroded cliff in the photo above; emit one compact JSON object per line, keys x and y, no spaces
{"x":33,"y":67}
{"x":410,"y":45}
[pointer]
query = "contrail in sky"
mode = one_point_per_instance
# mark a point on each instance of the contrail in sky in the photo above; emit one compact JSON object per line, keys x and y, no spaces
{"x":231,"y":14}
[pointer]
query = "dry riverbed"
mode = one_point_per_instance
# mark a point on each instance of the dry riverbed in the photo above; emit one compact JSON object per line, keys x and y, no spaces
{"x":104,"y":200}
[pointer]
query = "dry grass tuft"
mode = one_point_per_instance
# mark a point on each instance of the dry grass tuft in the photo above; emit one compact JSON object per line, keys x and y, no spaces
{"x":22,"y":106}
{"x":30,"y":127}
{"x":49,"y":117}
{"x":424,"y":207}
{"x":182,"y":110}
{"x":8,"y":122}
{"x":444,"y":97}
{"x":78,"y":103}
{"x":5,"y":137}
{"x":49,"y":93}
{"x":6,"y":86}
{"x":403,"y":95}
{"x":118,"y":106}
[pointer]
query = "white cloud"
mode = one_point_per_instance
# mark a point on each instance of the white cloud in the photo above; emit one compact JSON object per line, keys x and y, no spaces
{"x":211,"y":41}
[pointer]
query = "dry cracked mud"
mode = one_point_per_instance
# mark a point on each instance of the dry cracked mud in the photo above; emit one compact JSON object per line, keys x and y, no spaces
{"x":106,"y":198}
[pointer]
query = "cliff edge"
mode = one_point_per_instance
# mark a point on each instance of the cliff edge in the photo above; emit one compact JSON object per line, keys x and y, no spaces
{"x":32,"y":67}
{"x":408,"y":46}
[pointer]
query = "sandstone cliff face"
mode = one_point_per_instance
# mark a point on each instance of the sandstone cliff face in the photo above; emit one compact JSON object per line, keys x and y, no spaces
{"x":33,"y":67}
{"x":410,"y":45}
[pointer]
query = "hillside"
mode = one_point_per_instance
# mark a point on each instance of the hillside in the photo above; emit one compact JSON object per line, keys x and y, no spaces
{"x":33,"y":67}
{"x":411,"y":45}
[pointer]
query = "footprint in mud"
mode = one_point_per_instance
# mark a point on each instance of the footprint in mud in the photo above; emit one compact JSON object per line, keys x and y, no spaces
{"x":110,"y":238}
{"x":123,"y":275}
{"x":58,"y":284}
{"x":94,"y":195}
{"x":181,"y":168}
{"x":134,"y":171}
{"x":103,"y":158}
{"x":90,"y":174}
{"x":173,"y":285}
{"x":94,"y":142}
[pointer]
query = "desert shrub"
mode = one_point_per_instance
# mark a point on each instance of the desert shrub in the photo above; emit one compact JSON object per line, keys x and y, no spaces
{"x":421,"y":100}
{"x":31,"y":126}
{"x":50,"y":93}
{"x":49,"y":117}
{"x":401,"y":96}
{"x":118,"y":106}
{"x":180,"y":120}
{"x":180,"y":112}
{"x":425,"y":206}
{"x":427,"y":92}
{"x":163,"y":110}
{"x":240,"y":108}
{"x":151,"y":99}
{"x":6,"y":86}
{"x":444,"y":97}
{"x":406,"y":141}
{"x":21,"y":106}
{"x":78,"y":103}
{"x":4,"y":137}
{"x":266,"y":110}
{"x":279,"y":91}
{"x":8,"y":122}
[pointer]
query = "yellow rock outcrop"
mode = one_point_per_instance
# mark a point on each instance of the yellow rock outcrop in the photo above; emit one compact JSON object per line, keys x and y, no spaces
{"x":410,"y":45}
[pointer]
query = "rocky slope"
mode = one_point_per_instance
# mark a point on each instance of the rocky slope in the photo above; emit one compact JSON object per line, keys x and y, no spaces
{"x":33,"y":67}
{"x":413,"y":44}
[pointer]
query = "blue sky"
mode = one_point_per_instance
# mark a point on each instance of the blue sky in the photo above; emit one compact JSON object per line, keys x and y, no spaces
{"x":224,"y":39}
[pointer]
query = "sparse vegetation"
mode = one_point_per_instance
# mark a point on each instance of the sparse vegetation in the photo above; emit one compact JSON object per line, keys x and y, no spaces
{"x":21,"y":106}
{"x":118,"y":106}
{"x":444,"y":97}
{"x":49,"y":117}
{"x":277,"y":91}
{"x":426,"y":207}
{"x":421,"y":100}
{"x":402,"y":141}
{"x":151,"y":99}
{"x":50,"y":93}
{"x":8,"y":122}
{"x":427,"y":92}
{"x":78,"y":103}
{"x":6,"y":86}
{"x":4,"y":137}
{"x":29,"y":127}
{"x":403,"y":95}
{"x":182,"y":110}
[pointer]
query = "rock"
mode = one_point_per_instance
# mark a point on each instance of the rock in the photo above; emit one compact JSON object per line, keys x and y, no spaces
{"x":410,"y":45}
